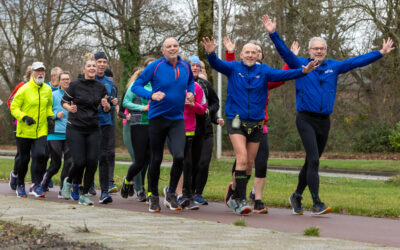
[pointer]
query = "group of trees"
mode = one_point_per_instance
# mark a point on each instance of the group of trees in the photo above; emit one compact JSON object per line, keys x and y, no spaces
{"x":60,"y":32}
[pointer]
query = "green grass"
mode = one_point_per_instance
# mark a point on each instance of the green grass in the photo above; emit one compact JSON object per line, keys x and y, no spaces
{"x":240,"y":223}
{"x":352,"y":166}
{"x":311,"y":231}
{"x":344,"y":195}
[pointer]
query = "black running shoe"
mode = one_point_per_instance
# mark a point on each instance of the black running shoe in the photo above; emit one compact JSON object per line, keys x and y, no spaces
{"x":125,"y":189}
{"x":228,"y":194}
{"x":295,"y":202}
{"x":154,"y":204}
{"x":92,"y":190}
{"x":320,"y":208}
{"x":141,"y":196}
{"x":170,"y":200}
{"x":259,"y":207}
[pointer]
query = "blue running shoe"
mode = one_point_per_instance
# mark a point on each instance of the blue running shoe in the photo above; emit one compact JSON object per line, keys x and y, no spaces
{"x":75,"y":192}
{"x":45,"y":183}
{"x":20,"y":190}
{"x":51,"y":184}
{"x":105,"y":198}
{"x":13,"y":181}
{"x":112,"y":188}
{"x":36,"y":190}
{"x":198,"y":198}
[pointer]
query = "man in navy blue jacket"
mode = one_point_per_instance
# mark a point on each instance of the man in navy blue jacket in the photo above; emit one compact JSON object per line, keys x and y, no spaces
{"x":247,"y":93}
{"x":315,"y":97}
{"x":172,"y":82}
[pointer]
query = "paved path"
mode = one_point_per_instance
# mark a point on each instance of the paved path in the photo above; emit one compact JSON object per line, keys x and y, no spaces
{"x":384,"y":232}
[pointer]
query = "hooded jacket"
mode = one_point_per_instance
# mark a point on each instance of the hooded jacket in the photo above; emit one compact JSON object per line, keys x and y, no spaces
{"x":36,"y":102}
{"x":316,"y":92}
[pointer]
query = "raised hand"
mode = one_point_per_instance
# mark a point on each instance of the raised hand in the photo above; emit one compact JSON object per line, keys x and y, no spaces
{"x":387,"y":46}
{"x":230,"y":47}
{"x":269,"y":25}
{"x":158,"y":96}
{"x":311,"y":66}
{"x":209,"y":45}
{"x":295,"y":48}
{"x":73,"y":107}
{"x":145,"y":108}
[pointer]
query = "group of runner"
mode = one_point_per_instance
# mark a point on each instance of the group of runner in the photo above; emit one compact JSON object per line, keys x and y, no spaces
{"x":170,"y":101}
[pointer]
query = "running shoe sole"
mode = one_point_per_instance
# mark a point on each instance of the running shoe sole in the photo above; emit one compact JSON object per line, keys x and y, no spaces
{"x":168,"y":205}
{"x":245,"y":211}
{"x":37,"y":195}
{"x":325,"y":211}
{"x":105,"y":200}
{"x":261,"y":211}
{"x":113,"y":190}
{"x":294,"y":212}
{"x":86,"y":204}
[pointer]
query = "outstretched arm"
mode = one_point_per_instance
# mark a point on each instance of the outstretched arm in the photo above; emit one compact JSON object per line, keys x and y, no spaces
{"x":363,"y":60}
{"x":291,"y":59}
{"x":387,"y":46}
{"x":217,"y":64}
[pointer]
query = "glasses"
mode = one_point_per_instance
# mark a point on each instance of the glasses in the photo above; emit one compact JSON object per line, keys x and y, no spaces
{"x":318,"y":48}
{"x":64,"y":79}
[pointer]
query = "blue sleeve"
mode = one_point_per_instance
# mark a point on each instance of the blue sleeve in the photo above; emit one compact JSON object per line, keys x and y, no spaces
{"x":145,"y":77}
{"x":291,"y":59}
{"x":223,"y":67}
{"x":277,"y":75}
{"x":190,"y":86}
{"x":358,"y":61}
{"x":56,"y":105}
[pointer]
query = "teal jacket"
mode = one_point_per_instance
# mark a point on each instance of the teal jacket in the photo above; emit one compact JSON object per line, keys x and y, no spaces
{"x":135,"y":105}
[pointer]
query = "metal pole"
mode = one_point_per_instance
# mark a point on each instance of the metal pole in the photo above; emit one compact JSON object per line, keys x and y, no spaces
{"x":219,"y":131}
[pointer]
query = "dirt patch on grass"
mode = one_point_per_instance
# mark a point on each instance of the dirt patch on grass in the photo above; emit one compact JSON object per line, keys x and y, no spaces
{"x":18,"y":236}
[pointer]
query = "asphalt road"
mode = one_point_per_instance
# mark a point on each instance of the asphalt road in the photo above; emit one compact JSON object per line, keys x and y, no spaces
{"x":380,"y":231}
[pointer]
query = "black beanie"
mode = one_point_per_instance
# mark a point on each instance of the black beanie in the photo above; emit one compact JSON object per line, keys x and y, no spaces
{"x":108,"y":73}
{"x":100,"y":55}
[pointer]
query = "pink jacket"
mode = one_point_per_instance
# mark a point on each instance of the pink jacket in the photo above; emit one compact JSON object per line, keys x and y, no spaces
{"x":199,"y":108}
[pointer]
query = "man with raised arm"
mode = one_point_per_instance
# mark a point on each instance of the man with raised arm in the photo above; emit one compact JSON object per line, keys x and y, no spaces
{"x":246,"y":97}
{"x":315,"y":97}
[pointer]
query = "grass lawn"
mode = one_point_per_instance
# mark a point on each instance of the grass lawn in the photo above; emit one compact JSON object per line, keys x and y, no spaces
{"x":345,"y":195}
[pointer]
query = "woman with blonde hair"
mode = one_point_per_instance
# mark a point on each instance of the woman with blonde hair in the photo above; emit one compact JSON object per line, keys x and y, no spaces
{"x":82,"y":99}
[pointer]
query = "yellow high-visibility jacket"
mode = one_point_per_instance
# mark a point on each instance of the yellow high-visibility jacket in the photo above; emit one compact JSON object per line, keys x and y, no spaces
{"x":36,"y":102}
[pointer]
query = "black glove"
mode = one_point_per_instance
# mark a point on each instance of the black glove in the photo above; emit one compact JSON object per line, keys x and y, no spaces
{"x":28,"y":120}
{"x":50,"y":125}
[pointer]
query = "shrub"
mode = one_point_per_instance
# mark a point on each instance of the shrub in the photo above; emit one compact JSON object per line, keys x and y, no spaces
{"x":372,"y":137}
{"x":394,"y":138}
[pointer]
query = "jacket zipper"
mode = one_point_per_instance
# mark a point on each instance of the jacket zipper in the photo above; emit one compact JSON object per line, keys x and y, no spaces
{"x":37,"y":127}
{"x":320,"y":86}
{"x":248,"y":95}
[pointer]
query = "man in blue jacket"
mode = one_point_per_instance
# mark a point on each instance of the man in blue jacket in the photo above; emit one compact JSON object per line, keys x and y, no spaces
{"x":247,"y":93}
{"x":107,"y":131}
{"x":315,"y":97}
{"x":172,"y":82}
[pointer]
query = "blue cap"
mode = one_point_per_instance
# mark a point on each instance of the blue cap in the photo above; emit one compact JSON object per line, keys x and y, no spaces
{"x":195,"y":60}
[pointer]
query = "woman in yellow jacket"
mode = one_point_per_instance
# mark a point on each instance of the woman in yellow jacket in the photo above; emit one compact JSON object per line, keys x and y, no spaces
{"x":32,"y":107}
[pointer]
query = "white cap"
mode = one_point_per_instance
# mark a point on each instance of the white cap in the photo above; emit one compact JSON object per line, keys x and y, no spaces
{"x":38,"y":65}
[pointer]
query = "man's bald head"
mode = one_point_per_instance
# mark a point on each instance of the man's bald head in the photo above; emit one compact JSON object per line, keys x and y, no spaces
{"x":170,"y":49}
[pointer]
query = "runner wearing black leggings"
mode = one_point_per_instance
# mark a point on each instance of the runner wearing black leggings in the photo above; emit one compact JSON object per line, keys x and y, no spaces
{"x":82,"y":99}
{"x":315,"y":97}
{"x":172,"y":82}
{"x":139,"y":124}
